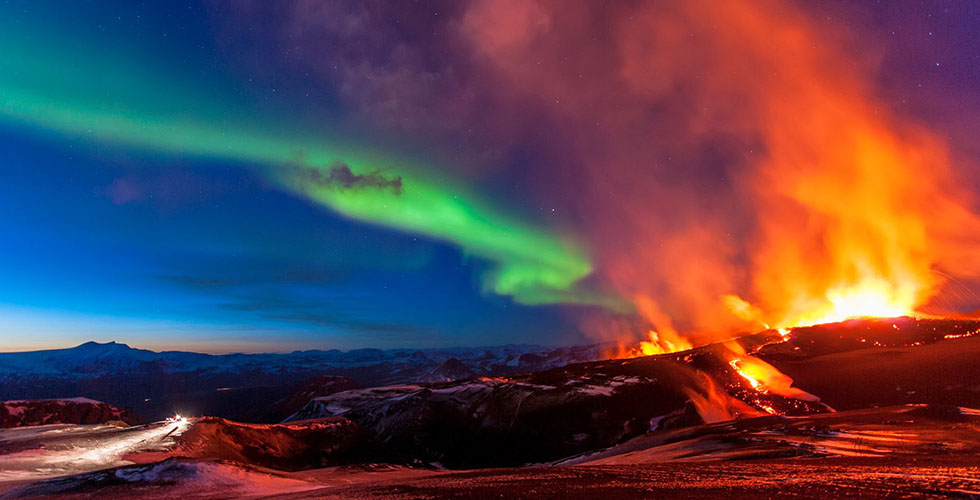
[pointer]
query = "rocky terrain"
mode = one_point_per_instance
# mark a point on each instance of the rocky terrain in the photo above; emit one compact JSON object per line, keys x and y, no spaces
{"x":546,"y":415}
{"x":62,"y":411}
{"x":876,"y":408}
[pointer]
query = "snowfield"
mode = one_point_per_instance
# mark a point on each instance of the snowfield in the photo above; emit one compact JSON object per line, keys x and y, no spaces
{"x":58,"y":450}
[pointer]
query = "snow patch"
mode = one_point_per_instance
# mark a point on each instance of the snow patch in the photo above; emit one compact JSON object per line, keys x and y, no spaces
{"x":186,"y":479}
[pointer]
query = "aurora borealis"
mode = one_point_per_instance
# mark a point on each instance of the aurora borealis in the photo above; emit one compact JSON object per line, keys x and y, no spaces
{"x":309,"y":176}
{"x":49,"y":88}
{"x":50,"y":91}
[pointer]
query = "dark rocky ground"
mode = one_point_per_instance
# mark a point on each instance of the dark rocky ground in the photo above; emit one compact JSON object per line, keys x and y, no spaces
{"x":826,"y":479}
{"x":817,"y":479}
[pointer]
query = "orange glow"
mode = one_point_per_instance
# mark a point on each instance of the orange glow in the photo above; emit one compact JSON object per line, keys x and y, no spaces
{"x":872,"y":297}
{"x":762,"y":376}
{"x":876,"y":298}
{"x":824,"y":202}
{"x":855,"y":208}
{"x":746,"y":373}
{"x":666,"y":340}
{"x":656,"y":346}
{"x":713,"y":404}
{"x":960,"y":335}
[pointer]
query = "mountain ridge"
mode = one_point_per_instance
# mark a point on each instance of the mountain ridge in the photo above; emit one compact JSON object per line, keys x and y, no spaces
{"x":157,"y":384}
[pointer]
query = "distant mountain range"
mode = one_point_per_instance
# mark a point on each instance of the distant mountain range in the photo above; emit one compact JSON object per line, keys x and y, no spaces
{"x":157,"y":384}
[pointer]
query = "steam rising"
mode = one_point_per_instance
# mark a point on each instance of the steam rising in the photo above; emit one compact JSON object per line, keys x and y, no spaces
{"x":721,"y":166}
{"x":753,"y":177}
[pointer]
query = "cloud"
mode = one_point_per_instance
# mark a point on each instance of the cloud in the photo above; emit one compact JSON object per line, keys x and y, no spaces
{"x":674,"y":137}
{"x":341,"y":176}
{"x":123,"y":191}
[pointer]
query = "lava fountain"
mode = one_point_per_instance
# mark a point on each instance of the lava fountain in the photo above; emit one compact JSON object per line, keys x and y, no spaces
{"x":856,"y":211}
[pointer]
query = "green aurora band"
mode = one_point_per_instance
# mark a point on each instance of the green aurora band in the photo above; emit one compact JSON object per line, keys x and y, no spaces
{"x":112,"y":101}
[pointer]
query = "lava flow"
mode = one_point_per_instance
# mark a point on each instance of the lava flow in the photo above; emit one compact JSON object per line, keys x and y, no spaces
{"x":857,"y":211}
{"x":762,"y":376}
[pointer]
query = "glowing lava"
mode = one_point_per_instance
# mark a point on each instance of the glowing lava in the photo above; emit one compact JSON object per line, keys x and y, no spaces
{"x":762,"y":376}
{"x":752,"y":379}
{"x":714,"y":404}
{"x":658,"y":345}
{"x":872,"y":298}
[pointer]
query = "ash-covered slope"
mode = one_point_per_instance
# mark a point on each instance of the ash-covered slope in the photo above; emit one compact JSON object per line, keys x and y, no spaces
{"x":158,"y":384}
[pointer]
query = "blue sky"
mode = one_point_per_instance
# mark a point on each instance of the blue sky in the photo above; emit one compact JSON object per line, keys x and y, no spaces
{"x":207,"y":247}
{"x":106,"y":242}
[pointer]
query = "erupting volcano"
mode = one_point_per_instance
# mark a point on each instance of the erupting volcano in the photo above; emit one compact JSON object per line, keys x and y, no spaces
{"x":856,"y":211}
{"x":489,"y":248}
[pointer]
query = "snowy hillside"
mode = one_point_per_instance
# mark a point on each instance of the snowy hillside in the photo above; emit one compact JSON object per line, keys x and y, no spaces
{"x":158,"y":384}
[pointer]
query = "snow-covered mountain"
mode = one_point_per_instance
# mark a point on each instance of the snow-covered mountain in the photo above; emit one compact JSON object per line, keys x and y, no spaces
{"x":156,"y":384}
{"x":112,"y":358}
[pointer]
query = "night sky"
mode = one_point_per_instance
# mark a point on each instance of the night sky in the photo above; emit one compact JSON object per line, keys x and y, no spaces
{"x":271,"y":176}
